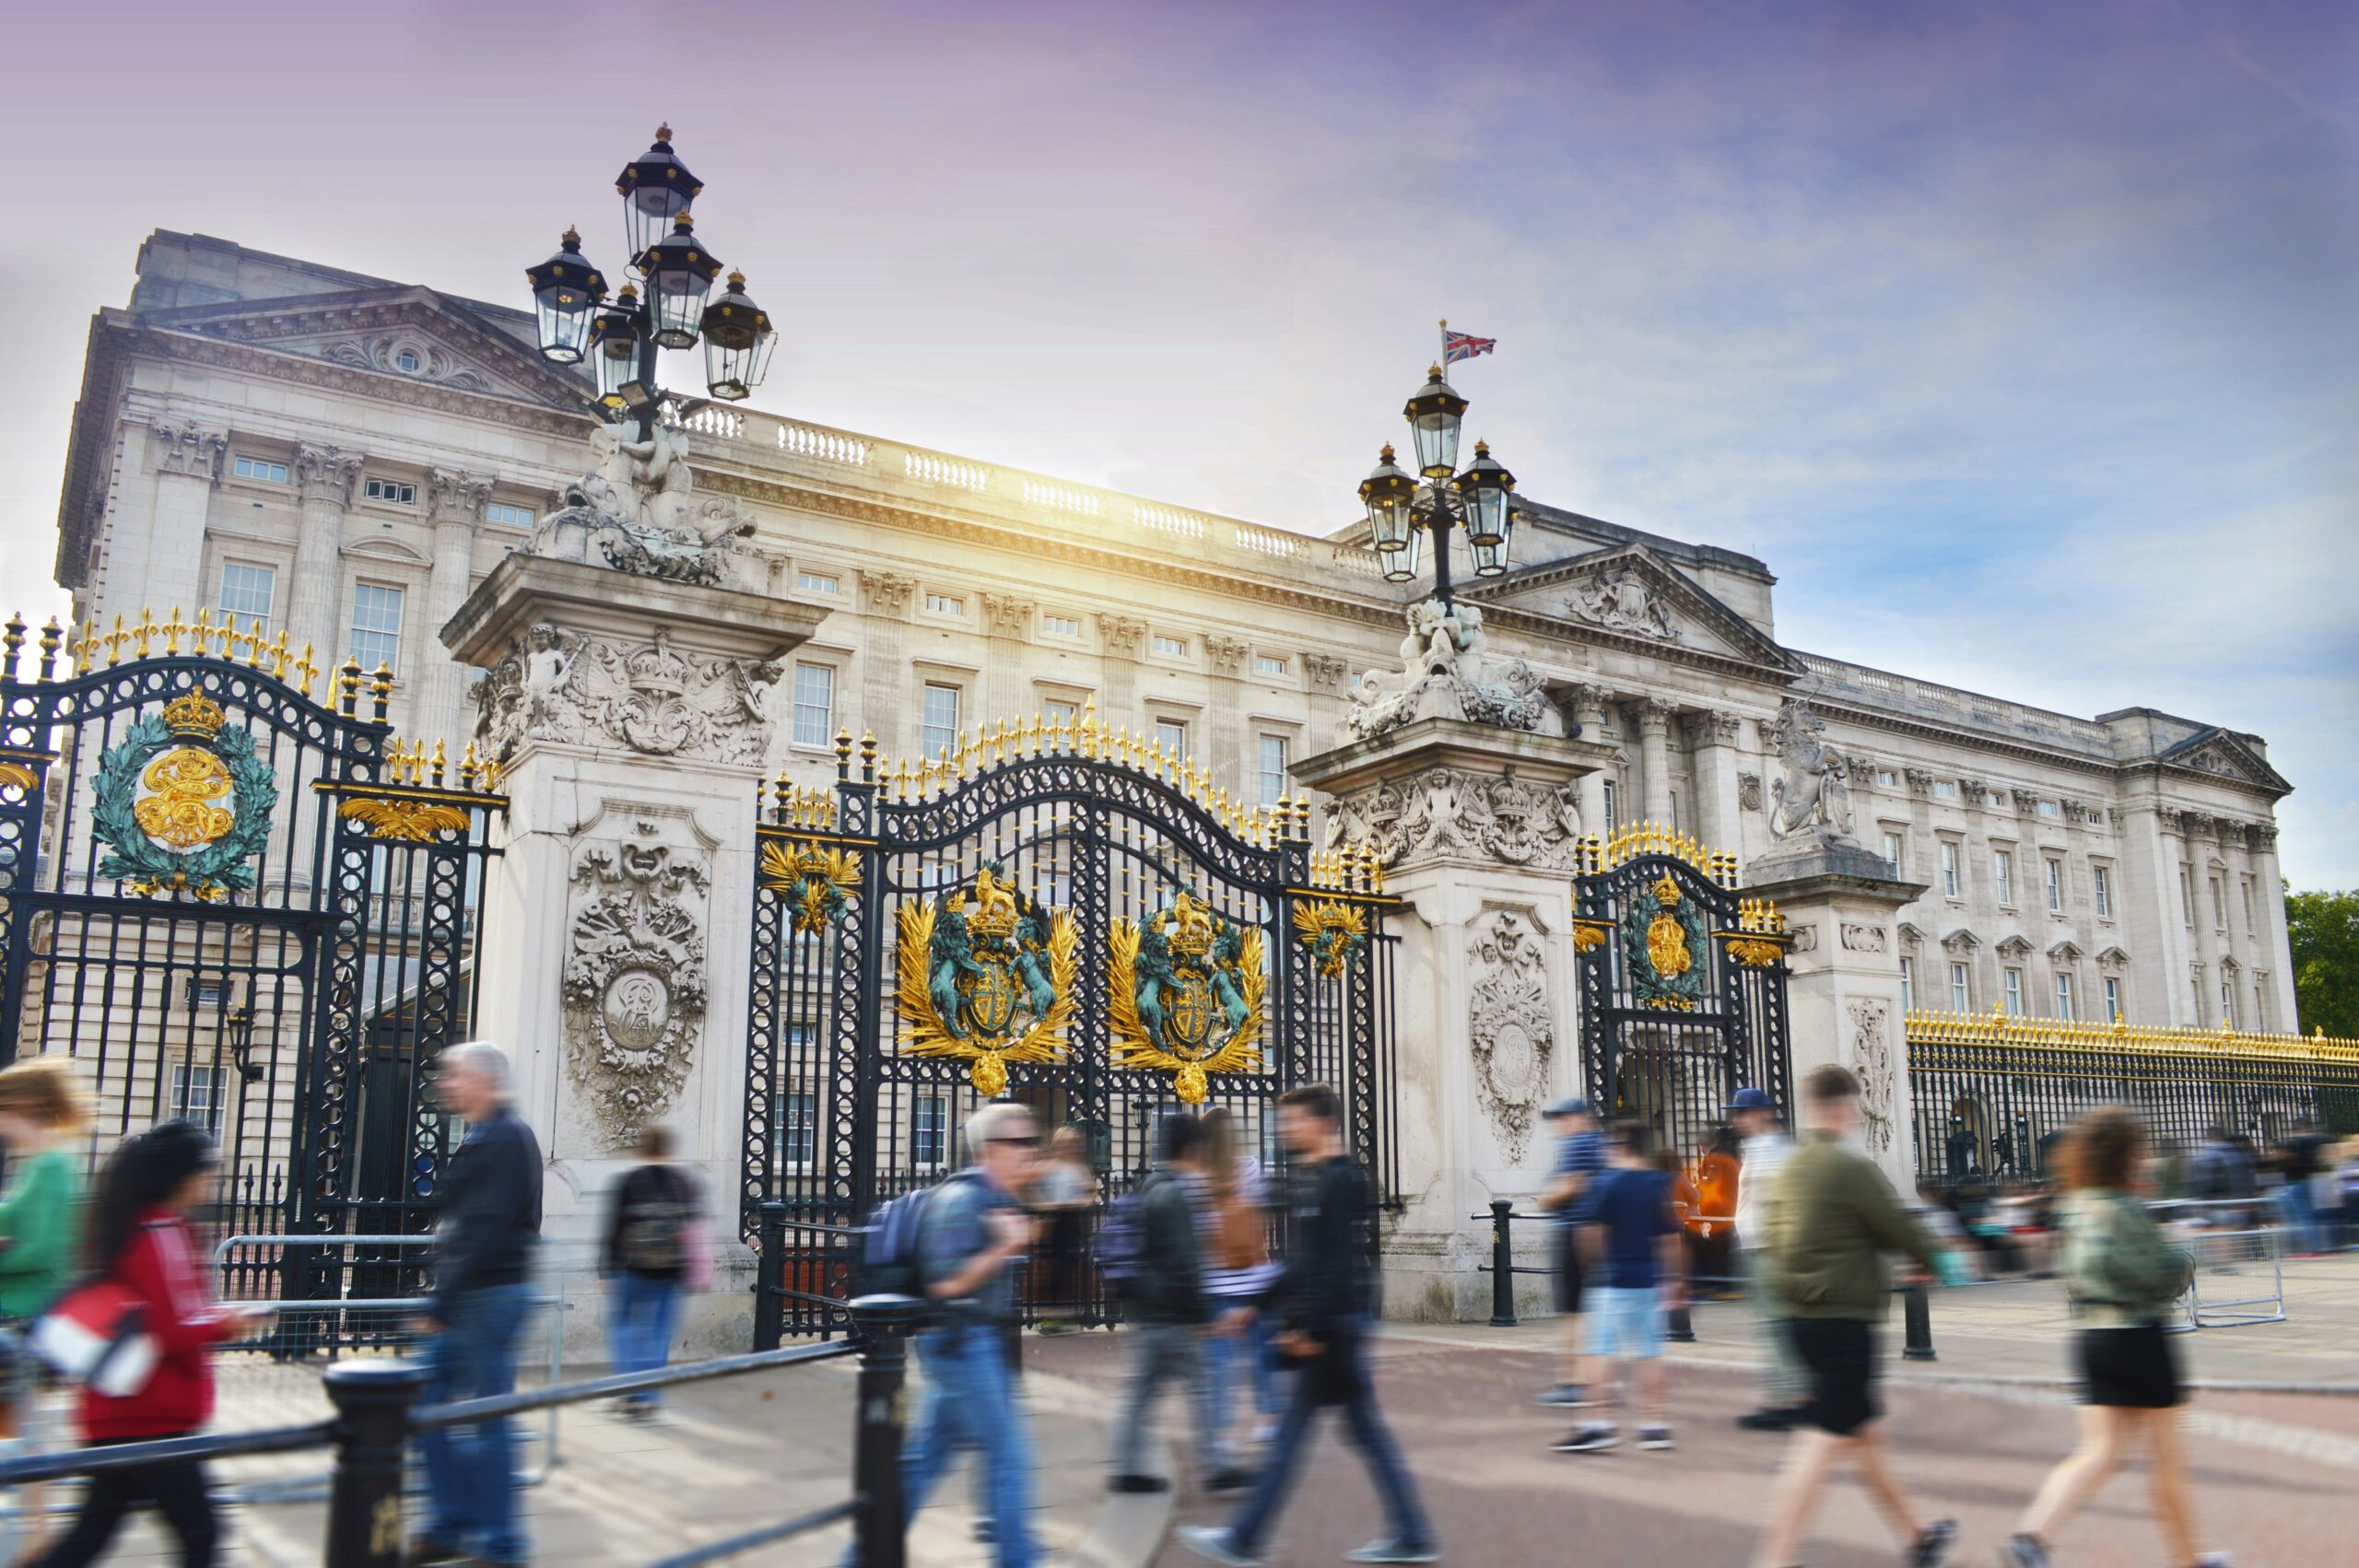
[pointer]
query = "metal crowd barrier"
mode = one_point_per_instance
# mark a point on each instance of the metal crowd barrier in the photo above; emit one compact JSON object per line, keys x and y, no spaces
{"x":2227,"y":1238}
{"x":377,"y":1414}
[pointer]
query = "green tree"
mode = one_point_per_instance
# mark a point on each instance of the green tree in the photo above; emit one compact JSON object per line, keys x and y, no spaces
{"x":2324,"y":928}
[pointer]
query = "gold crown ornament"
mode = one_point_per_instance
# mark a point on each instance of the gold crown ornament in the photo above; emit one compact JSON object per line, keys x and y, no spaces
{"x":193,"y":716}
{"x":1666,"y":890}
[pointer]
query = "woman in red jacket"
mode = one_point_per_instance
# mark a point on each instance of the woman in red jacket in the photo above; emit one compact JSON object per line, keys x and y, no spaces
{"x":140,"y":1238}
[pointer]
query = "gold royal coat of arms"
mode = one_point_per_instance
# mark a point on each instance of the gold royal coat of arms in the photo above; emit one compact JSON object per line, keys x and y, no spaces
{"x":1185,"y":995}
{"x":986,"y":975}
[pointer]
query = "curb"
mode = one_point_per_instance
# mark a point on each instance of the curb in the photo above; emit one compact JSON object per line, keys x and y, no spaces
{"x":1130,"y":1527}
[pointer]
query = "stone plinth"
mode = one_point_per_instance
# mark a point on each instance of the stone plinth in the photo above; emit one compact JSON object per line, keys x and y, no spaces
{"x":1475,"y":825}
{"x":633,"y":718}
{"x":1843,"y":999}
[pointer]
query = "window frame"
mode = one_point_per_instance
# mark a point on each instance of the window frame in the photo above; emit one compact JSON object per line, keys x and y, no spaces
{"x":1951,"y":886}
{"x":243,"y":464}
{"x":1163,"y":644}
{"x":247,"y":617}
{"x":353,"y":630}
{"x":939,"y":1102}
{"x":2012,"y":990}
{"x":2068,"y":1002}
{"x":1163,"y":743}
{"x":380,"y":491}
{"x":949,"y":606}
{"x":2053,"y":871}
{"x":928,"y":748}
{"x":1056,"y":623}
{"x":1961,"y":987}
{"x":184,"y":1077}
{"x":796,"y":706}
{"x":1908,"y":986}
{"x":1896,"y":852}
{"x":1274,"y":666}
{"x":2002,"y":876}
{"x":1262,"y":743}
{"x":826,"y":585}
{"x":2112,"y":1000}
{"x":507,"y":514}
{"x":2101,"y":888}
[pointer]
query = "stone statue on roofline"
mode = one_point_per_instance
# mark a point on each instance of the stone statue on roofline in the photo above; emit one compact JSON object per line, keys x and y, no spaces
{"x":1448,"y":671}
{"x":1813,"y":799}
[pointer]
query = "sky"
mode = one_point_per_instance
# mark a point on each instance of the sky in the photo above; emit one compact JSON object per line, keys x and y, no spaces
{"x":2019,"y":340}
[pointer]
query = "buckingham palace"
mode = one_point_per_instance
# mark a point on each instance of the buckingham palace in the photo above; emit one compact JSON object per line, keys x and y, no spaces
{"x":291,"y":448}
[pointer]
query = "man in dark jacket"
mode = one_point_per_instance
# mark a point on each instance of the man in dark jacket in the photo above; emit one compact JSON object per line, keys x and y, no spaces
{"x":1169,"y":1311}
{"x":489,"y":1198}
{"x":1326,"y":1313}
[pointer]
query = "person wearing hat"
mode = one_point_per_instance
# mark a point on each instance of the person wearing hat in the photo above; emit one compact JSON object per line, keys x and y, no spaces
{"x":1580,"y":1156}
{"x":1764,"y":1149}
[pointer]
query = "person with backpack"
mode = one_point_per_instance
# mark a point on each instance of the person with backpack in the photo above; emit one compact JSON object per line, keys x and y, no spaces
{"x":1631,"y":1248}
{"x":1168,"y":1313}
{"x":2124,"y":1277}
{"x":1324,"y":1302}
{"x":142,"y":1253}
{"x":650,"y":1245}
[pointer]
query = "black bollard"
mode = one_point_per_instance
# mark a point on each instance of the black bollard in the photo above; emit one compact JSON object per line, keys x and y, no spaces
{"x":1678,"y":1327}
{"x":1916,"y":1312}
{"x":372,"y":1401}
{"x":769,"y":1278}
{"x":1502,"y":1263}
{"x":880,"y":1528}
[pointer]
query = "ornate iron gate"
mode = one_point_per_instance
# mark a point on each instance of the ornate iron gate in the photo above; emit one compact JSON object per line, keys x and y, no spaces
{"x":1052,"y":913}
{"x":241,"y":905}
{"x":1683,"y":985}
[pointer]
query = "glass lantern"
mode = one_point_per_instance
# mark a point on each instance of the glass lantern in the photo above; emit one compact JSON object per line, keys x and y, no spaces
{"x":737,"y":343}
{"x":679,"y":274}
{"x":1390,"y":496}
{"x":1433,"y":414}
{"x":567,"y":289}
{"x":613,"y":346}
{"x":656,"y":187}
{"x":1483,"y":490}
{"x":1400,"y":565}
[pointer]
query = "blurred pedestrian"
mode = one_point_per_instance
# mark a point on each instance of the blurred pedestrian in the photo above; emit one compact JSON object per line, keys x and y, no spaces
{"x":1831,"y":1216}
{"x":1580,"y":1155}
{"x":1169,"y":1313}
{"x":488,"y":1228}
{"x":1064,"y":1190}
{"x":1325,"y":1308}
{"x":1633,"y":1252}
{"x":1754,"y":1113}
{"x":1237,"y":1274}
{"x":2299,"y":1160}
{"x":2125,"y":1277}
{"x":651,"y":1246}
{"x":139,"y":1239}
{"x":969,"y":1237}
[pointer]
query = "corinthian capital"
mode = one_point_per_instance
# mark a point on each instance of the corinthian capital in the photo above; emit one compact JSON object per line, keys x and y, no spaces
{"x":1655,"y":714}
{"x":454,"y":497}
{"x":888,"y":592}
{"x":1006,"y":616}
{"x":1124,"y":634}
{"x":1226,"y":653}
{"x":183,"y":446}
{"x":327,"y":474}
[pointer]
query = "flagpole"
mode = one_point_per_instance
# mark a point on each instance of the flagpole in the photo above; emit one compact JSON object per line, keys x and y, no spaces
{"x":1445,"y":342}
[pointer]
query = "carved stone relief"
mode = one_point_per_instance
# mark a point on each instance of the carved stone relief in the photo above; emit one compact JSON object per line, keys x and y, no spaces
{"x":1450,"y":812}
{"x":1124,"y":634}
{"x":1006,"y":616}
{"x":328,"y":474}
{"x":1863,"y":939}
{"x":1748,"y":791}
{"x":1226,"y":653}
{"x":1327,"y":672}
{"x":455,"y":496}
{"x":1813,"y":799}
{"x":1871,"y":1061}
{"x":1622,"y":600}
{"x":634,"y":977}
{"x":1805,"y":939}
{"x":888,"y":592}
{"x":639,"y":512}
{"x":559,"y":685}
{"x":181,"y":446}
{"x":1510,"y":1024}
{"x":1447,"y":673}
{"x":429,"y":360}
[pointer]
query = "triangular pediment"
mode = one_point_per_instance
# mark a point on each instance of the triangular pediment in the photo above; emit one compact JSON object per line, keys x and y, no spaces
{"x":2113,"y":958}
{"x":1961,"y":942}
{"x":1632,"y":595}
{"x":1910,"y":934}
{"x":2065,"y":952}
{"x":407,"y":335}
{"x":2015,"y":947}
{"x":2223,"y":754}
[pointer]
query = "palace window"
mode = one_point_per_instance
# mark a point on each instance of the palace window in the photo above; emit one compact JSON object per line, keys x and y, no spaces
{"x":246,"y":594}
{"x":1057,"y":712}
{"x":817,"y":582}
{"x":2261,"y":1003}
{"x":929,"y":1131}
{"x":1274,"y":768}
{"x":2112,"y":1000}
{"x":1961,"y":996}
{"x":798,"y":1130}
{"x":1886,"y":779}
{"x":1061,"y":625}
{"x":1171,"y":736}
{"x":2101,"y":884}
{"x":945,"y":604}
{"x":2064,"y":997}
{"x":376,"y":625}
{"x":390,"y":490}
{"x":2049,"y":808}
{"x":1908,"y":985}
{"x":815,"y":704}
{"x":1268,"y":664}
{"x":1611,"y":821}
{"x":2186,"y":899}
{"x":198,"y":1095}
{"x":259,"y":468}
{"x":941,"y":729}
{"x":1949,"y":869}
{"x":1172,"y":647}
{"x":2014,"y":993}
{"x":1945,"y":788}
{"x":2218,"y":907}
{"x":500,"y":512}
{"x":407,"y":361}
{"x":2228,"y":1001}
{"x":2246,"y":889}
{"x":2003,"y":874}
{"x":1892,"y":853}
{"x":2056,"y":886}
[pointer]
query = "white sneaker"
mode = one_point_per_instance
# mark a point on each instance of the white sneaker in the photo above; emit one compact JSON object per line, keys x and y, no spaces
{"x":1212,"y":1541}
{"x":1393,"y":1551}
{"x":1656,"y":1437}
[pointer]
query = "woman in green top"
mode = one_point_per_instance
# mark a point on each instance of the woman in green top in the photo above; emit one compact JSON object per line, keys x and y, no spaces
{"x":42,"y":1109}
{"x":2124,"y":1276}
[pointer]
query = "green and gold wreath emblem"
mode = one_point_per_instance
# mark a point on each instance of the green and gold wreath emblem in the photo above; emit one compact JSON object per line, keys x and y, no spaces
{"x":205,"y":808}
{"x":987,"y":976}
{"x":1333,"y":930}
{"x":1185,"y":993}
{"x":816,"y":883}
{"x":1662,"y":937}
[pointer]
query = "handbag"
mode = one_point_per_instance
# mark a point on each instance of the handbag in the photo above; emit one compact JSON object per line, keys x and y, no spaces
{"x":1241,"y":1240}
{"x":97,"y":1334}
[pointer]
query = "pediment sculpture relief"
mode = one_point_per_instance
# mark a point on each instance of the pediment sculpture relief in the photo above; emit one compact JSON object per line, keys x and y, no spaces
{"x":1622,"y":600}
{"x":638,"y":511}
{"x":652,"y":697}
{"x":1447,"y":671}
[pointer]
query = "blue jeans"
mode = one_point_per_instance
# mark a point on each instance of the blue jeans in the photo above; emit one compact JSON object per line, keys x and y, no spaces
{"x":1378,"y":1451}
{"x":1257,"y":1347}
{"x":639,"y":1319}
{"x":471,"y":1470}
{"x":2302,"y":1216}
{"x":970,"y":1402}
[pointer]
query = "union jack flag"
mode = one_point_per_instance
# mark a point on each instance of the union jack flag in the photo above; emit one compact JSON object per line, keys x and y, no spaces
{"x":1457,"y":346}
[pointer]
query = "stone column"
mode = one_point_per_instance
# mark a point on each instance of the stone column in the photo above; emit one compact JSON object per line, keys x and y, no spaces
{"x":1225,"y":717}
{"x":614,"y":959}
{"x":2204,"y":992}
{"x":1123,"y":639}
{"x":1843,"y":993}
{"x":324,"y":477}
{"x":1006,"y":620}
{"x":1654,"y":757}
{"x":890,"y":706}
{"x":1330,"y":687}
{"x":2275,"y":945}
{"x":1716,"y":821}
{"x":1588,"y":711}
{"x":455,"y":502}
{"x":186,"y":458}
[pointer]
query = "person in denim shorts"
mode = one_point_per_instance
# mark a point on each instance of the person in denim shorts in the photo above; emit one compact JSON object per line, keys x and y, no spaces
{"x":1630,"y":1247}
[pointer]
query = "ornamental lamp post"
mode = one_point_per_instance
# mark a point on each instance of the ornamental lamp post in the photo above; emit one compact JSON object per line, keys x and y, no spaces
{"x":665,"y":309}
{"x":1401,"y":507}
